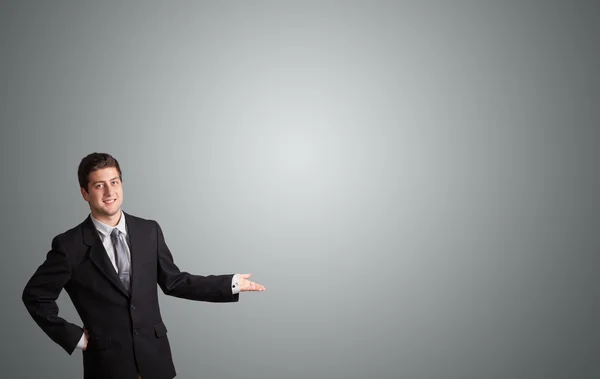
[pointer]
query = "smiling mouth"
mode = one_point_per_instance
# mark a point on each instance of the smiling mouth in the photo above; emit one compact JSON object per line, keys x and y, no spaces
{"x":109,"y":201}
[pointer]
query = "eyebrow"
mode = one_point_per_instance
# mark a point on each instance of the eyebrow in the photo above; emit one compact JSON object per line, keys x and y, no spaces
{"x":102,"y":181}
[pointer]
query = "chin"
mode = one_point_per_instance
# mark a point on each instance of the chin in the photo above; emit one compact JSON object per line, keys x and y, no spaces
{"x":112,"y":210}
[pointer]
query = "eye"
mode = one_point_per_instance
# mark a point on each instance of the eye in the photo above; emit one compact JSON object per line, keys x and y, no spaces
{"x":98,"y":185}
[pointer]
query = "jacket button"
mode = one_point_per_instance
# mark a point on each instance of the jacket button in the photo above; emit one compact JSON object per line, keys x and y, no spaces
{"x":132,"y":306}
{"x":136,"y":332}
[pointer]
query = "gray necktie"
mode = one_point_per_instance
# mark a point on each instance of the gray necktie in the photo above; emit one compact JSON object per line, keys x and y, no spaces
{"x":121,"y":256}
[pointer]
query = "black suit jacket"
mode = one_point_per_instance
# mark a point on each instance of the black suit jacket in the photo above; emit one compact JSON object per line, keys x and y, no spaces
{"x":127,"y":335}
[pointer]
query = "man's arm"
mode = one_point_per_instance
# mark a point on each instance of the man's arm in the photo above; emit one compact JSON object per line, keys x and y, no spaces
{"x":173,"y":282}
{"x":41,"y":292}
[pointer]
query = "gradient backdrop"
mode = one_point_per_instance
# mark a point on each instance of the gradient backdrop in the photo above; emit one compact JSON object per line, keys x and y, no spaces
{"x":416,"y":184}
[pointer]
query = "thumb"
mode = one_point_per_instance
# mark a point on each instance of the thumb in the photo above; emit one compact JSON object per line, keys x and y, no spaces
{"x":245,"y":276}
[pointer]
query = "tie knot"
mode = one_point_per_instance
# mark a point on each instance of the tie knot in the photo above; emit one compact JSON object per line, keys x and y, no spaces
{"x":115,"y":232}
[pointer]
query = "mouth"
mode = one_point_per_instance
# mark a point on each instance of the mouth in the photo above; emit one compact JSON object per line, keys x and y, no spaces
{"x":110,"y":201}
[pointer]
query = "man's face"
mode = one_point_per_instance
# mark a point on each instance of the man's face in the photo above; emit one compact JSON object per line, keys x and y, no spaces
{"x":104,"y":193}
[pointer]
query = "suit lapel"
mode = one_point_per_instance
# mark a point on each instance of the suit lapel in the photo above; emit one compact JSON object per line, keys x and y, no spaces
{"x":134,"y":233}
{"x":99,"y":256}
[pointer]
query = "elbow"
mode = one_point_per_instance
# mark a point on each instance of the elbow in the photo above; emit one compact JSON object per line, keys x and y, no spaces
{"x":168,"y":287}
{"x":26,"y":295}
{"x":28,"y":300}
{"x":165,"y":289}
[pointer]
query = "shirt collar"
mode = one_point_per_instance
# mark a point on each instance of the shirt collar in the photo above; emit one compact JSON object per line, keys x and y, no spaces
{"x":106,"y":230}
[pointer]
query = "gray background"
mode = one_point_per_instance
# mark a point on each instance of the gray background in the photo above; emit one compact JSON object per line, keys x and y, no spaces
{"x":416,"y":184}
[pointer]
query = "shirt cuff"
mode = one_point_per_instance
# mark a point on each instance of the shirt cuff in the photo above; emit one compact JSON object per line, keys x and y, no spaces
{"x":235,"y":285}
{"x":81,"y":341}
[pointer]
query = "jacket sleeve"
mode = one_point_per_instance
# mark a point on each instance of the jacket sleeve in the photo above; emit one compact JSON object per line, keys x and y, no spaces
{"x":41,"y":292}
{"x":173,"y":282}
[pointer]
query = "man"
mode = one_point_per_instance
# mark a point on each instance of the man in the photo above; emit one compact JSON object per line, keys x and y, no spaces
{"x":110,"y":265}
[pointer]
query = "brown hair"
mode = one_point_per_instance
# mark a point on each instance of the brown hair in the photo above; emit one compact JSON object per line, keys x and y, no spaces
{"x":93,"y":162}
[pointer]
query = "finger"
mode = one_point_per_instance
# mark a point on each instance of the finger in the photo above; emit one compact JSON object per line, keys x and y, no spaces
{"x":245,"y":276}
{"x":252,"y":286}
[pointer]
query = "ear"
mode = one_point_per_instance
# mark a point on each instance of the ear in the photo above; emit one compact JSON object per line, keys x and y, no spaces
{"x":85,"y":194}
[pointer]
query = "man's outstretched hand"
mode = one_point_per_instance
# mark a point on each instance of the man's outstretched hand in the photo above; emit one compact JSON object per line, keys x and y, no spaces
{"x":247,"y":285}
